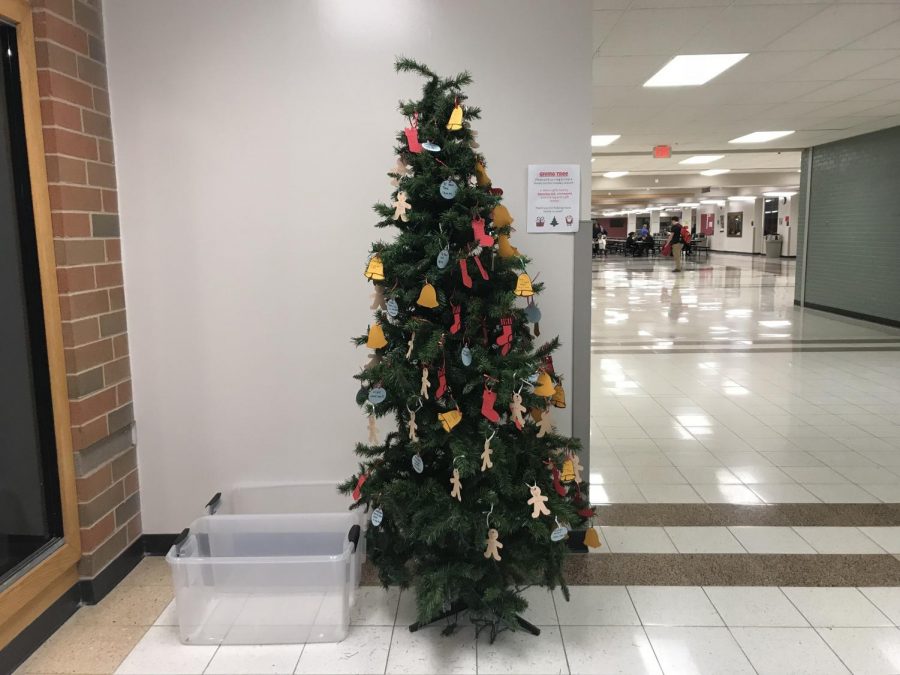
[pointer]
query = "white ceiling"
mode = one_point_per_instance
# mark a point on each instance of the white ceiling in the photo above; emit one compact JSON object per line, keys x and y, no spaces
{"x":829,"y":69}
{"x":737,"y":162}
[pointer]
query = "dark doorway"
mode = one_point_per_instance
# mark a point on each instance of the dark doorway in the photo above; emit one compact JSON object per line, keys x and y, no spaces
{"x":30,"y":509}
{"x":770,"y":215}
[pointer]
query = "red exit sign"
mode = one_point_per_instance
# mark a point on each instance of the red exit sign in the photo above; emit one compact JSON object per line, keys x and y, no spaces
{"x":662,"y":151}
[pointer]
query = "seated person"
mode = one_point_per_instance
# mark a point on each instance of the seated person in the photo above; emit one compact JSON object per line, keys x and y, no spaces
{"x":630,"y":243}
{"x":649,"y":245}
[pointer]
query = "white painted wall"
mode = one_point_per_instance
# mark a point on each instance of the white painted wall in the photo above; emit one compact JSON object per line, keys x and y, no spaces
{"x":632,"y":223}
{"x":788,"y":230}
{"x":720,"y":241}
{"x":252,"y":139}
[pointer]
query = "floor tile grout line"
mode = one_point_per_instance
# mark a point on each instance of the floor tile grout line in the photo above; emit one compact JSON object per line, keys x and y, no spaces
{"x":387,"y":659}
{"x":644,"y":629}
{"x":728,"y":628}
{"x":562,"y":638}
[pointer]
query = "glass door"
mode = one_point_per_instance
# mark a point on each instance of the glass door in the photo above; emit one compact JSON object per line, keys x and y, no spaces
{"x":30,"y":507}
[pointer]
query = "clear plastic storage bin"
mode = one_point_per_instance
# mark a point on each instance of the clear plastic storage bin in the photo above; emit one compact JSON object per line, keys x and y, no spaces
{"x":264,"y":579}
{"x":309,"y":497}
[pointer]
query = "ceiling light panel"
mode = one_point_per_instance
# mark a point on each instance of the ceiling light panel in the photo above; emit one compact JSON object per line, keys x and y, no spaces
{"x":701,"y":159}
{"x":691,"y":70}
{"x":615,"y":174}
{"x":714,"y":172}
{"x":600,"y":140}
{"x":761,"y":137}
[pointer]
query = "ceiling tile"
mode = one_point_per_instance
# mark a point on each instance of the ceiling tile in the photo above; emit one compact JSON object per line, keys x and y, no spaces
{"x":653,"y":31}
{"x":604,"y":24}
{"x":840,"y":64}
{"x":852,"y":107}
{"x":838,"y":25}
{"x":889,"y":70}
{"x":889,"y":93}
{"x":748,"y":28}
{"x":768,"y":66}
{"x":627,"y":70}
{"x":611,"y":4}
{"x":838,"y":91}
{"x":884,"y":38}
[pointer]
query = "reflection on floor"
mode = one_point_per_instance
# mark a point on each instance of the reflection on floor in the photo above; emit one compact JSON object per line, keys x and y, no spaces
{"x":711,"y":386}
{"x":602,"y":629}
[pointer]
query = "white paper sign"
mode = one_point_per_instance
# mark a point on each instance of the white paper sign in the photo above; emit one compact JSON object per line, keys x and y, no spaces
{"x":554,"y":192}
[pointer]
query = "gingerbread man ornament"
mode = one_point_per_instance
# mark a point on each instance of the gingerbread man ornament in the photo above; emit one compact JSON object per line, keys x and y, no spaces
{"x":545,"y":424}
{"x":538,"y":502}
{"x":456,"y":491}
{"x":486,"y":462}
{"x":401,"y":206}
{"x":517,"y":410}
{"x":493,"y":545}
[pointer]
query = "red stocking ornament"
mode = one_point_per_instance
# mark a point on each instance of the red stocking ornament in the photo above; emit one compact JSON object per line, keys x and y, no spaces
{"x":457,"y":323}
{"x":488,"y":398}
{"x":412,"y":135}
{"x":357,"y":490}
{"x":481,"y":238}
{"x":484,"y":274}
{"x":506,"y":337}
{"x":466,"y":279}
{"x":442,"y":383}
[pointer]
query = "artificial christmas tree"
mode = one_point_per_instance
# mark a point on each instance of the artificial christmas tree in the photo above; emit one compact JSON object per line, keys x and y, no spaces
{"x":473,"y":466}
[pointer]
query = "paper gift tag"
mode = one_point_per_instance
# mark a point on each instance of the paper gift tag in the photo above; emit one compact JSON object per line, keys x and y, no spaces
{"x":392,"y":308}
{"x":449,"y":189}
{"x":417,"y":464}
{"x":377,"y":516}
{"x":443,"y":258}
{"x":377,"y":395}
{"x":559,"y":534}
{"x":431,"y":147}
{"x":466,"y":356}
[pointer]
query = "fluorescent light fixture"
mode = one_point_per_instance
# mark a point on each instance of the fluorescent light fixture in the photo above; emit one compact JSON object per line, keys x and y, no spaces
{"x":761,"y":137}
{"x":615,"y":174}
{"x":599,"y":140}
{"x":716,"y":202}
{"x":741,"y":198}
{"x":593,"y":159}
{"x":779,"y":194}
{"x":689,"y":204}
{"x":714,"y":172}
{"x":687,"y":70}
{"x":701,"y":159}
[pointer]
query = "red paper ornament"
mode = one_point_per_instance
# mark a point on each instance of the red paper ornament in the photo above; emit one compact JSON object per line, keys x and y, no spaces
{"x":442,"y":383}
{"x":357,"y":490}
{"x":412,"y":135}
{"x":506,"y":337}
{"x":484,"y":274}
{"x":481,"y":237}
{"x":488,"y":398}
{"x":466,"y":279}
{"x":457,"y":323}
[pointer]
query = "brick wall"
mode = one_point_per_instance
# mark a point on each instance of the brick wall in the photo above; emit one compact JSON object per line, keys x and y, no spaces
{"x":83,"y":200}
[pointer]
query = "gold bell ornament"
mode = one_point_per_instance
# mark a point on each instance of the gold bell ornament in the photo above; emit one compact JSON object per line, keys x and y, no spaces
{"x":450,"y":419}
{"x":544,"y":386}
{"x":505,"y":249}
{"x":523,"y":286}
{"x":376,"y":337}
{"x":375,"y":268}
{"x":501,"y":216}
{"x":591,"y":538}
{"x":559,"y":396}
{"x":536,"y":414}
{"x":456,"y":118}
{"x":428,"y":296}
{"x":481,"y":175}
{"x":567,"y":473}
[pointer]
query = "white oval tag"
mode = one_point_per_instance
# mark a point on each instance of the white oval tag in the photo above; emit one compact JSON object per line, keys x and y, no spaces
{"x":377,"y":516}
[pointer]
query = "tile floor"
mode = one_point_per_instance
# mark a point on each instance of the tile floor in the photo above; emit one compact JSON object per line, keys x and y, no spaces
{"x":690,"y":403}
{"x":603,"y":629}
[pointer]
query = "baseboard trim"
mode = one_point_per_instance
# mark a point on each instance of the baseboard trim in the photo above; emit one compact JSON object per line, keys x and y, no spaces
{"x":94,"y":590}
{"x":157,"y":544}
{"x":759,"y":253}
{"x":38,"y":631}
{"x":851,"y":314}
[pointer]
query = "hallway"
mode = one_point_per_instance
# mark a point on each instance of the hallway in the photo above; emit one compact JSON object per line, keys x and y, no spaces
{"x":713,"y":387}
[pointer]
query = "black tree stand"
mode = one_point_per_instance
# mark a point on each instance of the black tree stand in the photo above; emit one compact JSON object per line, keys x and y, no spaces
{"x":459,"y":607}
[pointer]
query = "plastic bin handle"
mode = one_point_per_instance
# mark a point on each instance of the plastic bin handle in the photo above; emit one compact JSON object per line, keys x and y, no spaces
{"x":213,"y":504}
{"x":353,"y":536}
{"x":180,"y":539}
